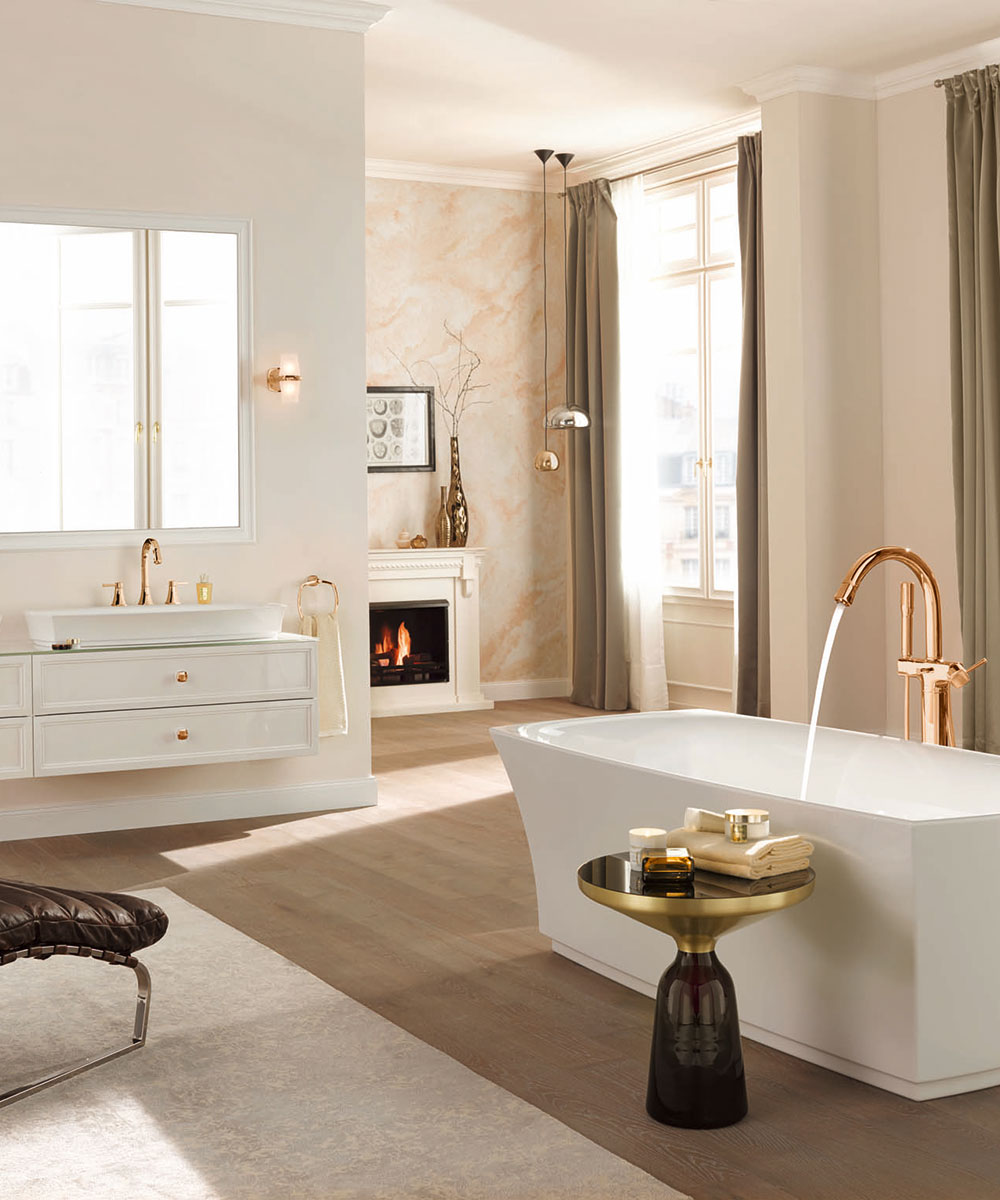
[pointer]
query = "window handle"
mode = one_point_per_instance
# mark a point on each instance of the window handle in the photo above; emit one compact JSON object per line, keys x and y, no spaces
{"x":138,"y":431}
{"x":156,"y":433}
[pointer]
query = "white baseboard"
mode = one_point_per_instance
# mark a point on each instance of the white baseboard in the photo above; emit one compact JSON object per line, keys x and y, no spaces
{"x":143,"y":812}
{"x":526,"y":689}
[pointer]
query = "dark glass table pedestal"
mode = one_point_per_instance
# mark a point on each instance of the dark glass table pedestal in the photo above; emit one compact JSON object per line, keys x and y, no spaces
{"x":696,"y":1077}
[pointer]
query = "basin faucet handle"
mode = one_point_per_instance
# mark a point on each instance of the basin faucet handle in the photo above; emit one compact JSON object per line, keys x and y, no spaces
{"x":118,"y":599}
{"x":173,"y":590}
{"x":958,"y":676}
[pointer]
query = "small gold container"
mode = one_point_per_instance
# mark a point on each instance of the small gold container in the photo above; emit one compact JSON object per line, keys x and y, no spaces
{"x":747,"y":824}
{"x":674,"y":866}
{"x":204,"y":592}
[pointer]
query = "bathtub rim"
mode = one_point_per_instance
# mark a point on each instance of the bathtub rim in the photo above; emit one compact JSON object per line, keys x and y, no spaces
{"x":520,"y":732}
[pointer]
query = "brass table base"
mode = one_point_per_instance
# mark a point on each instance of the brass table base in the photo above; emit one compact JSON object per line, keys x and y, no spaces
{"x":696,"y":1077}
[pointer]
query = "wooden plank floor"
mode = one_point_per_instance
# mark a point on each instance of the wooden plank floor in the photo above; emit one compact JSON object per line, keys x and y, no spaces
{"x":453,"y":955}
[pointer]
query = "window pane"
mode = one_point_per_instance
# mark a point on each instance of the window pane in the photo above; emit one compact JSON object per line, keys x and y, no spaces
{"x":96,"y":266}
{"x":723,"y":230}
{"x":677,"y":375}
{"x":674,"y":227}
{"x":67,"y":391}
{"x":98,"y":426}
{"x":725,"y":328}
{"x":199,"y":380}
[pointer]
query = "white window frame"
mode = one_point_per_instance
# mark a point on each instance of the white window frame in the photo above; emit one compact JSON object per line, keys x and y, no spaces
{"x":696,"y":177}
{"x":138,"y":222}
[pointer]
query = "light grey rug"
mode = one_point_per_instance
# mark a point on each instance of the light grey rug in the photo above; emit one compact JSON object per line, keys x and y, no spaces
{"x":259,"y":1081}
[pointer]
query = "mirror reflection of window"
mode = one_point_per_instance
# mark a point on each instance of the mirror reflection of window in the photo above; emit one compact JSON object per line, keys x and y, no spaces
{"x":119,"y":379}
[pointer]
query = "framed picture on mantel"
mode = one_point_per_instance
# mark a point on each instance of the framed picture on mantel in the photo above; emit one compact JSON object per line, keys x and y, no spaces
{"x":400,"y":428}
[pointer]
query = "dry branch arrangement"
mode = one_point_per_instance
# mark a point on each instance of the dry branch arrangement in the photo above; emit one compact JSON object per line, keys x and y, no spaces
{"x":453,"y":390}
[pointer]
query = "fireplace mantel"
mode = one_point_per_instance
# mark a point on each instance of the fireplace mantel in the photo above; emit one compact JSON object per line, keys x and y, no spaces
{"x":433,"y":574}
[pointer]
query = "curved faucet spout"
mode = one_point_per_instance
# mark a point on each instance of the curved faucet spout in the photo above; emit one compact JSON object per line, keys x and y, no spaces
{"x":928,"y":583}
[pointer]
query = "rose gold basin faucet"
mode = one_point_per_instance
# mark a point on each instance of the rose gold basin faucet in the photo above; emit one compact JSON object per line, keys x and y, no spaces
{"x":937,"y":675}
{"x":145,"y":596}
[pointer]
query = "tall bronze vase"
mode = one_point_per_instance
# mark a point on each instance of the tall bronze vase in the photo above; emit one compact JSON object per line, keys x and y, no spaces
{"x":458,"y":508}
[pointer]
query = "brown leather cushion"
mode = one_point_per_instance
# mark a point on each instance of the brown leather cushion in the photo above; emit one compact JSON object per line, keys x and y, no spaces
{"x":32,"y":915}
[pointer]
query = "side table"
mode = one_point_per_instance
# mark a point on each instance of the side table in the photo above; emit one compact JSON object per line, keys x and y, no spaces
{"x":696,"y":1077}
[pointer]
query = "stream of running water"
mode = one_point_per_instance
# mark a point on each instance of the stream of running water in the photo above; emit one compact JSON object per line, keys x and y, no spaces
{"x":831,"y":637}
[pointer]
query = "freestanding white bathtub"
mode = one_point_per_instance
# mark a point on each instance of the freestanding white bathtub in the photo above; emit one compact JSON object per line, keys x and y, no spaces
{"x":890,"y":973}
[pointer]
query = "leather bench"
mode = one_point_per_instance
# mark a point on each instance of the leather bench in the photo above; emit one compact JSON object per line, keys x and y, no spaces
{"x":38,"y":922}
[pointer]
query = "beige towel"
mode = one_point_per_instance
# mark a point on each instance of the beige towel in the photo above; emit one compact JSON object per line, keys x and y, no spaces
{"x":749,"y":860}
{"x":332,"y":694}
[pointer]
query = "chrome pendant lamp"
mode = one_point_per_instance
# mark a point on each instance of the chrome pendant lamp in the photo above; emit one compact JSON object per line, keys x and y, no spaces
{"x":565,"y":416}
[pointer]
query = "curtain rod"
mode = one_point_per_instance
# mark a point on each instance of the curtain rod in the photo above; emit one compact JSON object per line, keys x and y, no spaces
{"x":677,"y":162}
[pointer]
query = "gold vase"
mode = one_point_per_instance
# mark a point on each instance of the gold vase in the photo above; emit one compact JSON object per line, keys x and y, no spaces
{"x":442,"y":522}
{"x":458,"y":508}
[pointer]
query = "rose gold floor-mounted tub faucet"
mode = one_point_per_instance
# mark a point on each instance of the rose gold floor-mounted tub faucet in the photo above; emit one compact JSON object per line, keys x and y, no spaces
{"x":937,"y":675}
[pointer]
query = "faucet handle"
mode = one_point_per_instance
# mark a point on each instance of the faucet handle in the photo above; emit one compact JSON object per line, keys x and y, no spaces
{"x":173,"y":592}
{"x":958,"y":676}
{"x":118,"y":599}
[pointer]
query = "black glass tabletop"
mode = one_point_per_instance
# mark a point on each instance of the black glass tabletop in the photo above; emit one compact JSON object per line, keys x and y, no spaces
{"x":615,"y":873}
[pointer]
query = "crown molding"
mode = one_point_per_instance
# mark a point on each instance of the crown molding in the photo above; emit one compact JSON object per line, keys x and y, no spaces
{"x":873,"y":86}
{"x":414,"y":172}
{"x":922,"y":74}
{"x":350,"y":16}
{"x":818,"y":80}
{"x":653,"y":155}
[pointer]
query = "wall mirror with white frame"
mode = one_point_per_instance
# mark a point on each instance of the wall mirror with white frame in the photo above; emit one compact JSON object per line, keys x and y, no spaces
{"x":125,"y":381}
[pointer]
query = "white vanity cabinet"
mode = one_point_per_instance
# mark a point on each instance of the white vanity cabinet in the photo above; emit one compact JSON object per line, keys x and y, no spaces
{"x":143,"y":707}
{"x":15,"y":717}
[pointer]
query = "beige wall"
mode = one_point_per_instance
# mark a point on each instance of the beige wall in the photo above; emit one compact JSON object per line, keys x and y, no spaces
{"x":916,"y":403}
{"x":821,"y":245}
{"x":472,"y":256}
{"x":127,"y":108}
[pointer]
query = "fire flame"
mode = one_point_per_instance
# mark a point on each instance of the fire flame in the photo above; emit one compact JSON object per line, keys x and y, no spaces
{"x":400,"y":648}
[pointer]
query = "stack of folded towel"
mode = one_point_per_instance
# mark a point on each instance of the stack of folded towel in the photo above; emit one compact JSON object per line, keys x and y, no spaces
{"x":704,"y":836}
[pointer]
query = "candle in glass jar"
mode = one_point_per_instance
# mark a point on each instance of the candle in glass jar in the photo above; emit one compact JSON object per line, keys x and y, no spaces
{"x":645,"y":841}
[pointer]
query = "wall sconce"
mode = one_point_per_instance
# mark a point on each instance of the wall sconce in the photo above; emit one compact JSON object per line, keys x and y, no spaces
{"x":285,"y":379}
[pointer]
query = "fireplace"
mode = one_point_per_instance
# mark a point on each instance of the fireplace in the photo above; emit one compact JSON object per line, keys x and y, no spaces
{"x":408,"y":642}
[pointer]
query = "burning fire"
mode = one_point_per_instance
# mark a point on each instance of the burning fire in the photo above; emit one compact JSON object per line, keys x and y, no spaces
{"x":400,"y":648}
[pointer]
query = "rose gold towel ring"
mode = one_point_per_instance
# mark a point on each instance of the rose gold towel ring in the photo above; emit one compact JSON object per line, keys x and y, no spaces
{"x":315,"y":581}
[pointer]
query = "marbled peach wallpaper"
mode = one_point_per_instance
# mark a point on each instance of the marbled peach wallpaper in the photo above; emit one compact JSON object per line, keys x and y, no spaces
{"x":472,"y":257}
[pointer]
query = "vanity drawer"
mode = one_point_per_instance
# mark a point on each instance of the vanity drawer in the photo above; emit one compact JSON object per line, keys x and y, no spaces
{"x":15,"y":748}
{"x":15,"y":686}
{"x":74,"y":744}
{"x":178,"y":675}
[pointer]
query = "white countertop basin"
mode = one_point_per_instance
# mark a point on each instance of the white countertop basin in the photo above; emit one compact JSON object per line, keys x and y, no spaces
{"x":154,"y":624}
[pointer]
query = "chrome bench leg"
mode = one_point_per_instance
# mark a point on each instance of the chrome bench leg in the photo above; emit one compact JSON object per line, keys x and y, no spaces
{"x":144,"y":989}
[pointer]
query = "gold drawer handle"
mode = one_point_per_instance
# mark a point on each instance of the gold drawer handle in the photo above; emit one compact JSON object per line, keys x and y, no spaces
{"x":182,"y":735}
{"x":182,"y":676}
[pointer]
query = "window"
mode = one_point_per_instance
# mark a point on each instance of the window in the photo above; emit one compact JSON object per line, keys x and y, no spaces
{"x":123,"y":385}
{"x":698,"y":323}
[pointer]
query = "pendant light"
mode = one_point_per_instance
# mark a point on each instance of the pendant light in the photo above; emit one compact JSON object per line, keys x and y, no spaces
{"x":566,"y":416}
{"x":545,"y":459}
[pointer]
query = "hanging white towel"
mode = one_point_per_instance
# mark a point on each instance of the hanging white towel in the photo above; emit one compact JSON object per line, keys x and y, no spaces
{"x":332,"y":693}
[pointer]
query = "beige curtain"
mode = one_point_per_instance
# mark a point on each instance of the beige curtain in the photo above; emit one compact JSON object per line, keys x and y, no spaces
{"x":973,"y":101}
{"x":753,"y":662}
{"x":600,"y":670}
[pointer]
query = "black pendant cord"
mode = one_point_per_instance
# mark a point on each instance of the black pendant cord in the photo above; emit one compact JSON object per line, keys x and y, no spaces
{"x":545,"y":312}
{"x":565,"y":159}
{"x":543,"y":157}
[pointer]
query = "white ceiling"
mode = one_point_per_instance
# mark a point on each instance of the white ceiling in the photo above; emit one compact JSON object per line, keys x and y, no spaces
{"x":481,"y":83}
